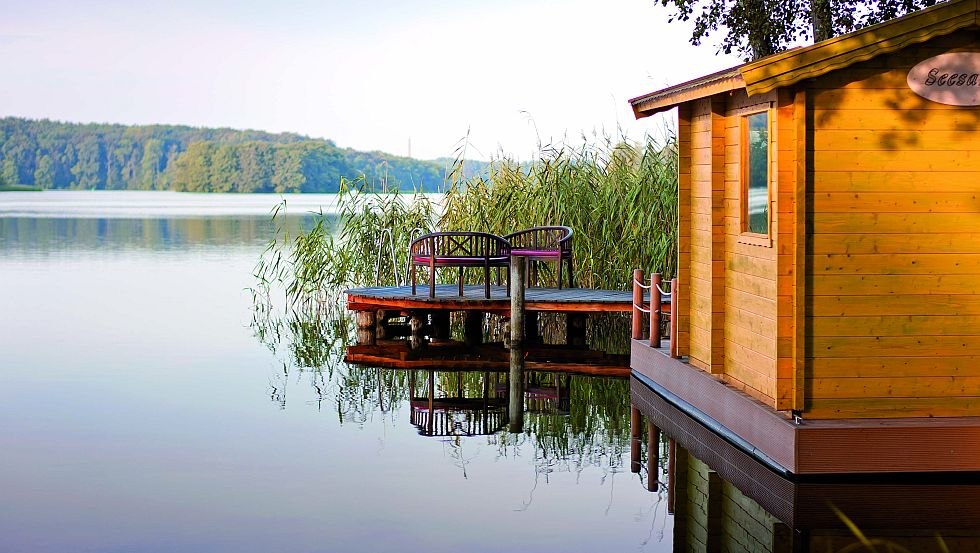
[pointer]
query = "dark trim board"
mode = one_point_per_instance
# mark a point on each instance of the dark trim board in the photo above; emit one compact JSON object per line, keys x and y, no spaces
{"x":815,"y":446}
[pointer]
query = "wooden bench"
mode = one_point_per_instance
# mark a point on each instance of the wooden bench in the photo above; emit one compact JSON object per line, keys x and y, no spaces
{"x":460,"y":250}
{"x":550,"y":243}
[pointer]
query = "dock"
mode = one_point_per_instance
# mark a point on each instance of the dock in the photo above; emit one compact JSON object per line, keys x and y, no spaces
{"x":401,"y":330}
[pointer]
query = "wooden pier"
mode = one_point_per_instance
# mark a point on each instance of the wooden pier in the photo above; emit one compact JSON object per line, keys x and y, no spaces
{"x":398,"y":329}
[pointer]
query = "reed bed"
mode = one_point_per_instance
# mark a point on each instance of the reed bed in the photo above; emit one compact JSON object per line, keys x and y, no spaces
{"x":620,"y":198}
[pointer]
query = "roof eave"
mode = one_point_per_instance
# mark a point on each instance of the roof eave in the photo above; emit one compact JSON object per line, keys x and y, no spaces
{"x":663,"y":100}
{"x":793,"y":66}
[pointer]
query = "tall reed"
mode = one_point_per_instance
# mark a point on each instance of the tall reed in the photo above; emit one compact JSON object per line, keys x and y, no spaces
{"x":619,"y":198}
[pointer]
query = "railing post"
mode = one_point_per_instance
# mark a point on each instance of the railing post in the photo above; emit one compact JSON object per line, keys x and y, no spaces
{"x":674,"y":325}
{"x":637,"y":302}
{"x":655,"y":301}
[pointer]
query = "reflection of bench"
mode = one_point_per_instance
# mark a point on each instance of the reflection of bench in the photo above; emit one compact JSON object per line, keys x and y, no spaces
{"x":552,"y":243}
{"x":460,"y":250}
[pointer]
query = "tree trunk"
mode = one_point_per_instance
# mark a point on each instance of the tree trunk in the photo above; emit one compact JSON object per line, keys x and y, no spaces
{"x":820,"y":19}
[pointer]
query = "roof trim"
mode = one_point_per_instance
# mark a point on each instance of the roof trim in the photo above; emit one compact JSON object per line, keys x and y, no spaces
{"x":662,"y":100}
{"x":792,"y":66}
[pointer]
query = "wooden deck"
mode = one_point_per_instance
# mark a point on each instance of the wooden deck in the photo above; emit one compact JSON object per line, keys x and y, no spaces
{"x":536,"y":299}
{"x":948,"y":444}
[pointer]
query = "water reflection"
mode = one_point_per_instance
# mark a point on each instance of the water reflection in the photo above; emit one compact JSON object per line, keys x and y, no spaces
{"x":725,"y":500}
{"x":19,"y":236}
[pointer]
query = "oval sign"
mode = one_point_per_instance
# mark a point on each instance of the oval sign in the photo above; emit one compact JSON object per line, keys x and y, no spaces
{"x":952,"y":79}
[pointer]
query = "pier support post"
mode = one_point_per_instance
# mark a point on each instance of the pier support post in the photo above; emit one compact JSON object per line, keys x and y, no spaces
{"x":637,"y":327}
{"x":381,"y":325}
{"x":416,"y":324}
{"x":365,"y":328}
{"x":473,"y":328}
{"x":440,"y":325}
{"x":655,"y":302}
{"x":634,"y":439}
{"x":531,"y":327}
{"x":575,"y":329}
{"x":516,"y":396}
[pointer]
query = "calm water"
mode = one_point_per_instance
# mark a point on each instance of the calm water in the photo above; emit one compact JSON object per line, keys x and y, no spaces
{"x":142,"y":410}
{"x":139,"y":412}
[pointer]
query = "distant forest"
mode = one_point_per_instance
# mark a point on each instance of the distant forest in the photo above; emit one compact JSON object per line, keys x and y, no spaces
{"x":54,"y":155}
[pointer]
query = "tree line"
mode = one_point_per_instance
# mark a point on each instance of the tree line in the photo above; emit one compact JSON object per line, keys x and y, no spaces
{"x":56,"y":155}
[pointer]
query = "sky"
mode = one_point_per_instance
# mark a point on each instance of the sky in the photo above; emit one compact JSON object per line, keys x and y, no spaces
{"x":415,"y":77}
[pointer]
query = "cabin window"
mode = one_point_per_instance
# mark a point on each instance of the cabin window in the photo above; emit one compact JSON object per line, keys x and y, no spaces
{"x":755,"y":173}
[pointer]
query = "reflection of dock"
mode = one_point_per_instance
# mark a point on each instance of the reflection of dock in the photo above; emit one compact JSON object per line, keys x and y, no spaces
{"x":465,"y":411}
{"x":397,"y":354}
{"x":398,"y":329}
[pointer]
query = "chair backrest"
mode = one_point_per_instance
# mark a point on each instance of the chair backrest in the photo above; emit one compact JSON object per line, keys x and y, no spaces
{"x":542,"y":238}
{"x":460,"y":244}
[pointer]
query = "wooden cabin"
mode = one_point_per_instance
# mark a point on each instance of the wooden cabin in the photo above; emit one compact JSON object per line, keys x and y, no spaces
{"x":829,"y":265}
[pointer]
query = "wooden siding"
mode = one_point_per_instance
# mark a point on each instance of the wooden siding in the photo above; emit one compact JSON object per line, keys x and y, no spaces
{"x":751,"y":291}
{"x":702,"y":341}
{"x":895,"y":255}
{"x":684,"y":229}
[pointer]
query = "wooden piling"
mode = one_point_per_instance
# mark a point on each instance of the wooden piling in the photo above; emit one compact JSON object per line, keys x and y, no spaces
{"x":637,"y":301}
{"x":655,"y":301}
{"x":473,"y":328}
{"x":365,"y":328}
{"x":575,"y":329}
{"x":515,"y":403}
{"x":674,"y":326}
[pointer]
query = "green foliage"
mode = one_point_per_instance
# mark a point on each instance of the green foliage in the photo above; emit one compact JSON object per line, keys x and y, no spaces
{"x":55,"y":155}
{"x":758,"y":28}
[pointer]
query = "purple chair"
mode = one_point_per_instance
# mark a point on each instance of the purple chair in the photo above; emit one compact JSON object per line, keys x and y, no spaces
{"x":551,"y":243}
{"x":460,"y":250}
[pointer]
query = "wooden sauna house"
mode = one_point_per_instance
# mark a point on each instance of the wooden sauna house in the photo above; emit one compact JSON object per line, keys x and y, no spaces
{"x":828,"y":291}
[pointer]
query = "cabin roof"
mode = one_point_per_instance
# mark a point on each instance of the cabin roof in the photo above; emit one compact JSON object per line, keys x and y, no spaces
{"x":795,"y":65}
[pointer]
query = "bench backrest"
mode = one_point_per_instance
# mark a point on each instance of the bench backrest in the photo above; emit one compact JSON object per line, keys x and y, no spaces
{"x":542,"y":238}
{"x":460,"y":244}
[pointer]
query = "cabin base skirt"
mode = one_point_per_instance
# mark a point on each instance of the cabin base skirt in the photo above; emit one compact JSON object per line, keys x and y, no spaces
{"x":800,"y":447}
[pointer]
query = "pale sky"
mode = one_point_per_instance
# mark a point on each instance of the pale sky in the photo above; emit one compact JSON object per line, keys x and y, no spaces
{"x":371,"y":75}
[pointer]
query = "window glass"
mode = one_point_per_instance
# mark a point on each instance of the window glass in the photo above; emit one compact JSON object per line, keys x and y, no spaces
{"x":757,"y":174}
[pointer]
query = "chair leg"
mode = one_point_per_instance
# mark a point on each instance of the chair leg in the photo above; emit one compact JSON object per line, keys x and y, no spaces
{"x":508,"y":281}
{"x":559,"y":274}
{"x":486,"y":280}
{"x":460,"y":282}
{"x":413,"y":279}
{"x":432,"y":280}
{"x":570,"y":283}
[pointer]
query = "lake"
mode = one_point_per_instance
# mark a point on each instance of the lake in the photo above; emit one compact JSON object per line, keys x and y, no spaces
{"x":146,"y":407}
{"x":139,"y":411}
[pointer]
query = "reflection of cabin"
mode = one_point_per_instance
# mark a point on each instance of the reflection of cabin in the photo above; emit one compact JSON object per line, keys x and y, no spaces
{"x":829,"y":266}
{"x":724,"y":500}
